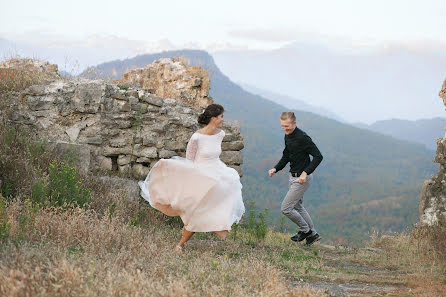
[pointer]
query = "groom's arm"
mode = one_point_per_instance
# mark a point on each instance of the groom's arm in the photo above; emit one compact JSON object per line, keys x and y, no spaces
{"x":283,"y":161}
{"x":312,"y":149}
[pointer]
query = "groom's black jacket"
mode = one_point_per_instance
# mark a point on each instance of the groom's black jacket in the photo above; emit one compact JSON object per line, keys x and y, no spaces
{"x":298,"y":148}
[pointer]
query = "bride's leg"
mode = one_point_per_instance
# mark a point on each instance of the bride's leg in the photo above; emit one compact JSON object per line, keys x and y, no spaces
{"x":222,"y":234}
{"x":186,"y":235}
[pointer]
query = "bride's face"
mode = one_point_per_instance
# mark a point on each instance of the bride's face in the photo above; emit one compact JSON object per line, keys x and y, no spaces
{"x":218,"y":120}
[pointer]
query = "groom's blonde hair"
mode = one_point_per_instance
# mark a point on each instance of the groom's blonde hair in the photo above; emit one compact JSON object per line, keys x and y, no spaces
{"x":288,"y":115}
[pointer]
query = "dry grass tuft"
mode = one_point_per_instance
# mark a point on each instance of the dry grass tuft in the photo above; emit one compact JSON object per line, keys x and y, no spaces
{"x":17,"y":74}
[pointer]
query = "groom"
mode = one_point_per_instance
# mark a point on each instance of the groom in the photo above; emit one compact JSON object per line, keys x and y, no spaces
{"x":298,"y":148}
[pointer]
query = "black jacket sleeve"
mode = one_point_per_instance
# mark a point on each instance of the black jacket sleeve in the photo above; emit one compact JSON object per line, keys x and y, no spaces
{"x":312,"y":149}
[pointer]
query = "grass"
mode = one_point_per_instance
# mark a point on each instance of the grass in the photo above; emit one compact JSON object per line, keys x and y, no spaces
{"x":81,"y":252}
{"x":89,"y":252}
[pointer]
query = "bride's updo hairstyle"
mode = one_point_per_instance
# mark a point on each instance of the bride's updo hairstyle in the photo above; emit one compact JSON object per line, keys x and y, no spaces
{"x":213,"y":110}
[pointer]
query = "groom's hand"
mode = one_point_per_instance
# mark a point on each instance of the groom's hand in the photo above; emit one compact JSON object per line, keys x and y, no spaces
{"x":303,"y":177}
{"x":271,"y":172}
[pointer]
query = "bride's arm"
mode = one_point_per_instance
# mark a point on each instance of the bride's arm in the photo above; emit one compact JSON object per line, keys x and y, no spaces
{"x":192,"y":147}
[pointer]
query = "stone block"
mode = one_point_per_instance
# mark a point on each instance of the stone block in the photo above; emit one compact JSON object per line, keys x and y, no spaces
{"x":124,"y":168}
{"x":153,"y":100}
{"x":114,"y":151}
{"x":232,"y":146}
{"x":106,"y":163}
{"x":81,"y":153}
{"x":139,"y":171}
{"x":119,"y":142}
{"x":124,"y":160}
{"x":165,"y":154}
{"x":231,"y":157}
{"x":40,"y":102}
{"x":94,"y":140}
{"x":148,"y":152}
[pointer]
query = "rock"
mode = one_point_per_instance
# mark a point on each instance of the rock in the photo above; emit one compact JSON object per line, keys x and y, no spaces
{"x":106,"y":164}
{"x":94,"y":140}
{"x":120,"y":142}
{"x":231,"y":157}
{"x":172,"y":78}
{"x":148,"y":152}
{"x":232,"y":146}
{"x":143,"y":160}
{"x":87,"y":97}
{"x":433,"y":194}
{"x":123,"y":160}
{"x":73,"y":133}
{"x":139,"y":171}
{"x":151,"y":100}
{"x":78,"y":152}
{"x":165,"y":154}
{"x":40,"y":103}
{"x":124,"y":168}
{"x":149,"y":141}
{"x":111,"y":151}
{"x":36,"y":90}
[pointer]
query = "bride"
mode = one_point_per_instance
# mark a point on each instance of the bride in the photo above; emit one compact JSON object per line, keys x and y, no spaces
{"x":201,"y":189}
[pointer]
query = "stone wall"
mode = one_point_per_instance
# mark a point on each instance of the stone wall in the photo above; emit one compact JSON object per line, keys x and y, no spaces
{"x":114,"y":128}
{"x":433,"y":194}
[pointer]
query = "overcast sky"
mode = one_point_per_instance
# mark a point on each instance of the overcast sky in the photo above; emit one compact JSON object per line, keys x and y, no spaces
{"x":78,"y":34}
{"x":213,"y":24}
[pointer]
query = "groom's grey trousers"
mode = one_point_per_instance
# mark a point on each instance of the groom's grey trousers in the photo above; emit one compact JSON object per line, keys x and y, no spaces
{"x":292,"y":205}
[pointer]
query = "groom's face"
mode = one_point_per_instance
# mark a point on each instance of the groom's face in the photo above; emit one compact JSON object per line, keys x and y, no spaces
{"x":288,"y":126}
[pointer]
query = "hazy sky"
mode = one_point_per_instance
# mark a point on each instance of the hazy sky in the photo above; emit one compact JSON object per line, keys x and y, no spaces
{"x":76,"y":34}
{"x":253,"y":24}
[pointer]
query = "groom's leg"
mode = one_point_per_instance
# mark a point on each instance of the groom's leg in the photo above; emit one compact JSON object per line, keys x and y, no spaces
{"x":294,"y":195}
{"x":299,"y":207}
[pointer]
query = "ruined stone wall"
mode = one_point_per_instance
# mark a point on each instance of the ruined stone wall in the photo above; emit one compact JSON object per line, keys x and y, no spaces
{"x":114,"y":128}
{"x":172,"y":78}
{"x":433,"y":194}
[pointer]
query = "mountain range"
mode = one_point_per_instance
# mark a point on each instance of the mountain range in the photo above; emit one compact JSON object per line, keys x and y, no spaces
{"x":366,"y":181}
{"x":424,"y":131}
{"x":362,"y":84}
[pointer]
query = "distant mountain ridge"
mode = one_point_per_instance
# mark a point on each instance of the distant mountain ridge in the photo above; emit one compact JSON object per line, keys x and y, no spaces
{"x":290,"y":102}
{"x":359,"y":165}
{"x":424,"y":131}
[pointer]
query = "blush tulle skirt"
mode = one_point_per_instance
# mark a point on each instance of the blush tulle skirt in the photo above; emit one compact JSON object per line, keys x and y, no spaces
{"x":207,"y":196}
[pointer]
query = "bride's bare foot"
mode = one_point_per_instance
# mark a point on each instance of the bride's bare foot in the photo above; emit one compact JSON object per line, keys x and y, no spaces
{"x":178,"y":249}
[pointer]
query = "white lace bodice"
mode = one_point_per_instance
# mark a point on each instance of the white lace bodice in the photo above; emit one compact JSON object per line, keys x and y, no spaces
{"x":203,"y":148}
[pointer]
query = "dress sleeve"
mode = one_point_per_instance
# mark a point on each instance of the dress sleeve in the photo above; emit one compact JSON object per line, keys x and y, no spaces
{"x":192,"y":147}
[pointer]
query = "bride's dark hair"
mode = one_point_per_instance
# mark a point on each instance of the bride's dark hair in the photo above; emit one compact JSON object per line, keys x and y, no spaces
{"x":213,"y":110}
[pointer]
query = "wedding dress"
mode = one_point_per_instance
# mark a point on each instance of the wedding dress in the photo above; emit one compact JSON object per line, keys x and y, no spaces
{"x":200,"y":188}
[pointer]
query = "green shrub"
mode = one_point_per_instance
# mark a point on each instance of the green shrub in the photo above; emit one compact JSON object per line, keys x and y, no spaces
{"x":256,"y":226}
{"x":65,"y":187}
